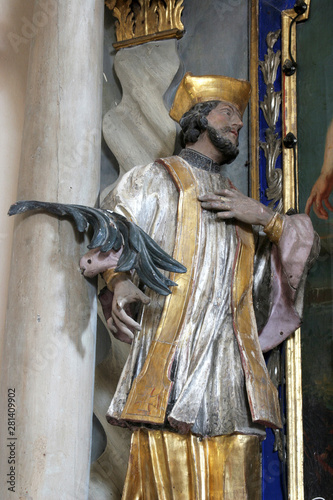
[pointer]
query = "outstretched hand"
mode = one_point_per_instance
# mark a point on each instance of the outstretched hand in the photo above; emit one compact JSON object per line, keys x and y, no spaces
{"x":319,"y":195}
{"x":115,"y":307}
{"x":231,"y":203}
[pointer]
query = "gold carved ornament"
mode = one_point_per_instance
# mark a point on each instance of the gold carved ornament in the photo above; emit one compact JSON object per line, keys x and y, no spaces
{"x":141,"y":21}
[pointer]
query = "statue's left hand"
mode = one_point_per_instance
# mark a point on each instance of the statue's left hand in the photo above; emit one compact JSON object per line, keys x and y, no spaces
{"x":231,"y":203}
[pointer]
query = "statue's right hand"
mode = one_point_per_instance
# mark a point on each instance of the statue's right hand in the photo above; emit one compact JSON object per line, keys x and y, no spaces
{"x":115,"y":307}
{"x":319,"y":196}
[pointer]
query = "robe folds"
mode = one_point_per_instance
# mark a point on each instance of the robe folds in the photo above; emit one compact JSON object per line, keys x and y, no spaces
{"x":236,"y":279}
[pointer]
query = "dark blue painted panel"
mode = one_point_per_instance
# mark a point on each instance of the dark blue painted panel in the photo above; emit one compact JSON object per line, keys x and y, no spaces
{"x":269,"y":20}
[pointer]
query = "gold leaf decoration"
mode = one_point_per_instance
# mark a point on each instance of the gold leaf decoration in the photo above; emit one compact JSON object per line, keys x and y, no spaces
{"x":110,"y":4}
{"x":169,"y":12}
{"x":140,"y":21}
{"x":124,"y":16}
{"x":145,"y":17}
{"x":176,"y":13}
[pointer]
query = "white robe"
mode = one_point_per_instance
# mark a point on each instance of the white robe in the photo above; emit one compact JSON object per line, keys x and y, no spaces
{"x":208,"y":392}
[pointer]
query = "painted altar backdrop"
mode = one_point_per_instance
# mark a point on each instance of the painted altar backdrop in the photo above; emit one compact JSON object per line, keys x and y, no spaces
{"x":315,"y":112}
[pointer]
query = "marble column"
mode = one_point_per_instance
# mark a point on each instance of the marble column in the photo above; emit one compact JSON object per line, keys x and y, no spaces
{"x":48,"y":352}
{"x":13,"y":82}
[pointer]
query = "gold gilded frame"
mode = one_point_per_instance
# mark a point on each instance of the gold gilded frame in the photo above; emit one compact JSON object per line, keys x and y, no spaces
{"x":290,"y":199}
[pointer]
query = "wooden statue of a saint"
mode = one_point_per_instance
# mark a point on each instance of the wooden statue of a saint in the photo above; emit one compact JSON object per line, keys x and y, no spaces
{"x":195,"y":389}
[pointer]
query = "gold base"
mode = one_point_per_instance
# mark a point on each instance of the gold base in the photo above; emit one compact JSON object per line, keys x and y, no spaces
{"x":168,"y":466}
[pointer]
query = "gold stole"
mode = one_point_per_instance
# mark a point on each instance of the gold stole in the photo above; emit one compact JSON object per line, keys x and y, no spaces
{"x":148,"y":397}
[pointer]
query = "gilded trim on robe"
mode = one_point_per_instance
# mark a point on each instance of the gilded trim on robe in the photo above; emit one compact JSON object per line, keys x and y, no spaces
{"x":262,"y":395}
{"x":148,"y":397}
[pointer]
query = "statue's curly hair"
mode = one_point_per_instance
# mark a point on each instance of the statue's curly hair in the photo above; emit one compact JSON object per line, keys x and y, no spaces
{"x":194,"y":121}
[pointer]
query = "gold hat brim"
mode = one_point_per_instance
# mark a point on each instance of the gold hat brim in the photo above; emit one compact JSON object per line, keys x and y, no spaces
{"x":194,"y":89}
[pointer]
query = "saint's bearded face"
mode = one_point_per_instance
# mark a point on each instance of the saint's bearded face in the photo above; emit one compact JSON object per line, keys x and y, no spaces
{"x":224,"y":124}
{"x":229,"y":150}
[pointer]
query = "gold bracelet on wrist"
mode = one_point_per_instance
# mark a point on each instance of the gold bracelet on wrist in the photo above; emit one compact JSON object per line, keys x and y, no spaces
{"x":274,"y":228}
{"x":109,"y":274}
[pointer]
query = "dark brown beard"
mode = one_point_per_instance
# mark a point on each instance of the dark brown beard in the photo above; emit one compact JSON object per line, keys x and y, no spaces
{"x":229,"y":150}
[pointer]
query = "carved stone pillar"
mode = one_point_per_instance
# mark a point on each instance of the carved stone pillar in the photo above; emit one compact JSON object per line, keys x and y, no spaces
{"x":48,"y":359}
{"x":13,"y":77}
